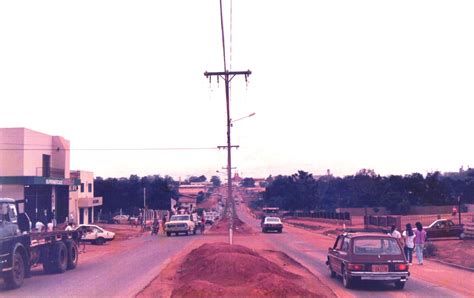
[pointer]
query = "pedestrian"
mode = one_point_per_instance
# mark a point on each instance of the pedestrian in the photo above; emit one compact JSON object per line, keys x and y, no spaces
{"x":155,"y":227}
{"x":163,"y":223}
{"x":394,"y":233}
{"x":69,"y":227}
{"x":409,"y":238}
{"x":420,"y":239}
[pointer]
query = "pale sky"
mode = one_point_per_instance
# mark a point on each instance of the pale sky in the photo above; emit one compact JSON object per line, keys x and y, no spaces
{"x":339,"y":85}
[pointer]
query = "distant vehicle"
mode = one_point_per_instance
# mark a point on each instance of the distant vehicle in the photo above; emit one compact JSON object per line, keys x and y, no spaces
{"x":272,"y":224}
{"x":444,"y":228}
{"x":21,"y":248}
{"x":182,"y":223}
{"x":270,"y":211}
{"x":210,"y":219}
{"x":368,"y":256}
{"x":121,"y":219}
{"x":95,"y":234}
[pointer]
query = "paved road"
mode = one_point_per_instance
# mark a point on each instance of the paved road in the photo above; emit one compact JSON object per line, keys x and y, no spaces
{"x":122,"y":274}
{"x":314,"y":257}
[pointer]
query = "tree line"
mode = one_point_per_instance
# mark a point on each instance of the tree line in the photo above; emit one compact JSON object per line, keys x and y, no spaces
{"x":128,"y":193}
{"x":301,"y":191}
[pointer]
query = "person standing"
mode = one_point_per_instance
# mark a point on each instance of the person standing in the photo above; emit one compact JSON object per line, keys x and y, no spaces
{"x":409,"y":237}
{"x":420,"y":238}
{"x":394,"y":233}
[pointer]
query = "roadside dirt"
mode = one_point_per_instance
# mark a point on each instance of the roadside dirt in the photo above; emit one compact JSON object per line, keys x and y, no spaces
{"x":222,"y":227}
{"x":89,"y":252}
{"x":459,"y":252}
{"x":223,"y":270}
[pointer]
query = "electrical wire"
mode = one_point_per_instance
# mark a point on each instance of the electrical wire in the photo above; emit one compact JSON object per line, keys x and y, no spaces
{"x":223,"y":38}
{"x":112,"y":149}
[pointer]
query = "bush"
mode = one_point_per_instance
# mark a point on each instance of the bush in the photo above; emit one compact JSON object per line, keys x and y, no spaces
{"x":429,"y":250}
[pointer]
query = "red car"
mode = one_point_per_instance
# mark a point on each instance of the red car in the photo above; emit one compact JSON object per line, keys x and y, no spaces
{"x":444,"y":228}
{"x":368,"y":256}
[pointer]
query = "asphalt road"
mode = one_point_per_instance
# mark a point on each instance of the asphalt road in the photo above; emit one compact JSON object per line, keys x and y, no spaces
{"x":122,"y":274}
{"x":314,"y":258}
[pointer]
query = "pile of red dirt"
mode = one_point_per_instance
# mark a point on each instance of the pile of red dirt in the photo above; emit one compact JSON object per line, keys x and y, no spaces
{"x":223,"y":270}
{"x":222,"y":227}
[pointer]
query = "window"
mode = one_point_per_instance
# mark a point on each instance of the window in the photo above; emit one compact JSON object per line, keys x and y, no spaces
{"x":450,"y":223}
{"x":82,"y":187}
{"x":376,"y":246}
{"x":89,"y":187}
{"x":346,"y":244}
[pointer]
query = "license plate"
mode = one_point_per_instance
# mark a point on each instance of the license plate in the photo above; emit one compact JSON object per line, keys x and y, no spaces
{"x":379,"y":268}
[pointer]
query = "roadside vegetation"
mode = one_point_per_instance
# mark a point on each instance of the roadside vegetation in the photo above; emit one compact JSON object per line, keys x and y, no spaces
{"x":301,"y":191}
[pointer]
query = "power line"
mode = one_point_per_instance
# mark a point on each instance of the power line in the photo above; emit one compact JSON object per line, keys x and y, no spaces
{"x":112,"y":149}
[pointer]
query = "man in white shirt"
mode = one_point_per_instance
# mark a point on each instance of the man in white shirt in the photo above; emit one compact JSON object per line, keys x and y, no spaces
{"x":394,"y":233}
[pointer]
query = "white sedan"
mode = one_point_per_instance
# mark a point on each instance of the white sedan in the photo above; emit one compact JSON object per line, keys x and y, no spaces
{"x":95,"y":234}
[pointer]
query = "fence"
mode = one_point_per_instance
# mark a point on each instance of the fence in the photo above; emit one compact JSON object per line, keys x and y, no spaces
{"x":383,"y":221}
{"x":333,"y":216}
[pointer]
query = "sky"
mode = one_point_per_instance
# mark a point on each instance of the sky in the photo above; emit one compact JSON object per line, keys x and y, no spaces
{"x":339,"y":85}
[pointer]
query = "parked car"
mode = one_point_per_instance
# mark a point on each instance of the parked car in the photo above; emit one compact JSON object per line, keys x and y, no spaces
{"x":272,"y":224}
{"x":368,"y":256}
{"x":121,"y":219}
{"x":444,"y":228}
{"x":95,"y":234}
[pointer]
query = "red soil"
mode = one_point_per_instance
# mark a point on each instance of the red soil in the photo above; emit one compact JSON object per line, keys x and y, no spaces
{"x":223,"y":270}
{"x":222,"y":227}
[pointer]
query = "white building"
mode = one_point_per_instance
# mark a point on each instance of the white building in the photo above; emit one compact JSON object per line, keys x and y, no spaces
{"x":34,"y":170}
{"x":82,"y":202}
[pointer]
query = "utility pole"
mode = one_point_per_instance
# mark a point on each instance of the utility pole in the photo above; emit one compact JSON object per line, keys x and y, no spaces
{"x":227,"y":76}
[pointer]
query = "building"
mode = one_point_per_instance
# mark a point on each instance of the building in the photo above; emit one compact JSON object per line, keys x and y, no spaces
{"x":82,"y":202}
{"x":34,"y":170}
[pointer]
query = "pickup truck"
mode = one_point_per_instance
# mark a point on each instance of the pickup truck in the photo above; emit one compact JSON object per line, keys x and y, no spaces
{"x":444,"y":228}
{"x":20,"y":249}
{"x":182,"y":223}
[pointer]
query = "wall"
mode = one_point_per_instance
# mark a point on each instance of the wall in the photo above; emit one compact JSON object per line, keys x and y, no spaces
{"x":431,"y":209}
{"x":11,"y":161}
{"x":60,"y":159}
{"x":33,"y":159}
{"x":16,"y":192}
{"x":361,"y":211}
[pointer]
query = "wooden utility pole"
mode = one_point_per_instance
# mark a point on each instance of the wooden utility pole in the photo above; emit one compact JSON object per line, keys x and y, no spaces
{"x":227,"y":76}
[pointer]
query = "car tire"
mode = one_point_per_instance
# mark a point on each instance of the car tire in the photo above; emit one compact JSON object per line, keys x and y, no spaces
{"x":346,"y":279}
{"x":462,"y":236}
{"x":332,"y":273}
{"x":194,"y":231}
{"x":264,"y":231}
{"x":57,"y":259}
{"x":399,"y":285}
{"x":14,"y":278}
{"x":280,"y":230}
{"x":99,"y":241}
{"x":168,"y":234}
{"x":187,"y":233}
{"x":72,"y":254}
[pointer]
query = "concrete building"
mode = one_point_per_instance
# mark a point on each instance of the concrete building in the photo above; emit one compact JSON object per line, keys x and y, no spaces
{"x":34,"y":170}
{"x":82,"y":202}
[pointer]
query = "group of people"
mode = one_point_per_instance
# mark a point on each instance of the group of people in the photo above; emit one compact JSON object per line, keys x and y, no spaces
{"x":413,"y":240}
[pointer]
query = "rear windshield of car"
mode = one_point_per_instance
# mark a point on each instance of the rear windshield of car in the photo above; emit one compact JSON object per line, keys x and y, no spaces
{"x":183,"y":217}
{"x":376,"y":246}
{"x":272,"y":219}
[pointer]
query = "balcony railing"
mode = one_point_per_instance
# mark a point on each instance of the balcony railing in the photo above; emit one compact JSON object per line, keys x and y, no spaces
{"x":52,"y":173}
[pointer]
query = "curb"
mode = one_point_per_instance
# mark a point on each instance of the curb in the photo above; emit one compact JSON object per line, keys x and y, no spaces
{"x":451,"y":265}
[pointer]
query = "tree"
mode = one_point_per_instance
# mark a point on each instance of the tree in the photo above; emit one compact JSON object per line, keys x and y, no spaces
{"x":201,"y":178}
{"x":247,"y":182}
{"x":216,"y":181}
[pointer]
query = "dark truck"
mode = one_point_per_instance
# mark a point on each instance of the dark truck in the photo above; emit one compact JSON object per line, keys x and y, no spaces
{"x":21,"y":249}
{"x":444,"y":228}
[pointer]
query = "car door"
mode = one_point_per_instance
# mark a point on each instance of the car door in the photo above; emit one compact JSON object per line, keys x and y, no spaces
{"x":451,"y":229}
{"x":337,"y":261}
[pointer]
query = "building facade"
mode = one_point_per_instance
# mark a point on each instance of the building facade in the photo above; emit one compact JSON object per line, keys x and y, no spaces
{"x":82,"y":203}
{"x":34,"y":170}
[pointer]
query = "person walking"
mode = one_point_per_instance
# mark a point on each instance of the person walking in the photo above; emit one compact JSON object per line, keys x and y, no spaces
{"x":409,"y":238}
{"x":420,"y":238}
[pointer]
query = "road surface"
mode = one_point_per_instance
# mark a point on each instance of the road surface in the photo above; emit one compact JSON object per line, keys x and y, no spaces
{"x":294,"y":242}
{"x":122,"y":274}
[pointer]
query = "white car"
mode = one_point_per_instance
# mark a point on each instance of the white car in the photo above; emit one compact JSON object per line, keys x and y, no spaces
{"x":95,"y":234}
{"x":121,"y":219}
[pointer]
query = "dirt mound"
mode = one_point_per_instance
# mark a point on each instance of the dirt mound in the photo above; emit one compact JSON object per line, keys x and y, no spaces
{"x":223,"y":270}
{"x":222,"y":227}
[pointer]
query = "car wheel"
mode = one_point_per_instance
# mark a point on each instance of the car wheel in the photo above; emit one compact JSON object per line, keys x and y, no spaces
{"x":399,"y":284}
{"x":168,"y":234}
{"x":14,"y":278}
{"x":194,"y":232}
{"x":57,"y":259}
{"x":346,"y":279}
{"x":280,"y":230}
{"x":100,"y":241}
{"x":462,"y":236}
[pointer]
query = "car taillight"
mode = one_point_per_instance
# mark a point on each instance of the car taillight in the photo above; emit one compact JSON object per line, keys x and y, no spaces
{"x":401,"y":267}
{"x":355,"y":267}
